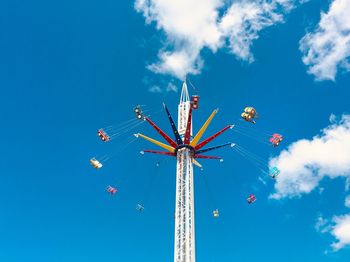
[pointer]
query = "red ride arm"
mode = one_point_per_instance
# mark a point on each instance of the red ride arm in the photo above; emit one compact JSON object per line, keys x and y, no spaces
{"x":161,"y":132}
{"x":188,"y":128}
{"x":159,"y":152}
{"x":206,"y":141}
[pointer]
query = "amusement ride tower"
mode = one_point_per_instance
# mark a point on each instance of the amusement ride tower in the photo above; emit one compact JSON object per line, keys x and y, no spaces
{"x":186,"y":151}
{"x":184,"y":249}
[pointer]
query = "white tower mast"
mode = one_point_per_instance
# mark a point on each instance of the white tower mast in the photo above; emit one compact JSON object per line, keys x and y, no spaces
{"x":184,"y":250}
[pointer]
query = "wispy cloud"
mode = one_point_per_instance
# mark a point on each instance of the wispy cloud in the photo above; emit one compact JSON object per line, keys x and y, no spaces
{"x":170,"y":87}
{"x":192,"y":25}
{"x":155,"y":89}
{"x":322,"y":225}
{"x":306,"y":162}
{"x":327,"y":48}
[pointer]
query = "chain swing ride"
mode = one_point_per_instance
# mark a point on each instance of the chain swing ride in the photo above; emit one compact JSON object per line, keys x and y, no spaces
{"x":188,"y":151}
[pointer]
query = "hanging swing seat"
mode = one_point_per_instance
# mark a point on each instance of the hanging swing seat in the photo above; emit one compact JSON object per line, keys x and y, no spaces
{"x":103,"y":135}
{"x":216,"y":213}
{"x":111,"y":190}
{"x":195,"y":101}
{"x":276,"y":139}
{"x":251,"y":199}
{"x":95,"y":163}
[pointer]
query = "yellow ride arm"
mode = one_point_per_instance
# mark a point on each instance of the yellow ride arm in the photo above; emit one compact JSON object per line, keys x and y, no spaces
{"x":195,"y":162}
{"x":203,"y":128}
{"x":169,"y":148}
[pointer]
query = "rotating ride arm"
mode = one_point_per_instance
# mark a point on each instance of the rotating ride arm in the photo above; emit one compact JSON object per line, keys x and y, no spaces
{"x":176,"y":133}
{"x":188,"y":128}
{"x":161,"y":132}
{"x":195,"y":162}
{"x":214,"y":147}
{"x":206,"y":141}
{"x":203,"y":128}
{"x":207,"y":157}
{"x":158,"y":152}
{"x":167,"y":147}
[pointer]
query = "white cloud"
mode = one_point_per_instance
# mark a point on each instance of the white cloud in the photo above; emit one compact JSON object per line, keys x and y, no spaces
{"x":327,"y":48}
{"x":178,"y":63}
{"x":243,"y":21}
{"x":306,"y":162}
{"x":192,"y":25}
{"x":189,"y":25}
{"x":347,"y":201}
{"x":341,"y":231}
{"x":339,"y":228}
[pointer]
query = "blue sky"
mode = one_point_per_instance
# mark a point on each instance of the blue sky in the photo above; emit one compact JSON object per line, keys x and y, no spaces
{"x":70,"y":67}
